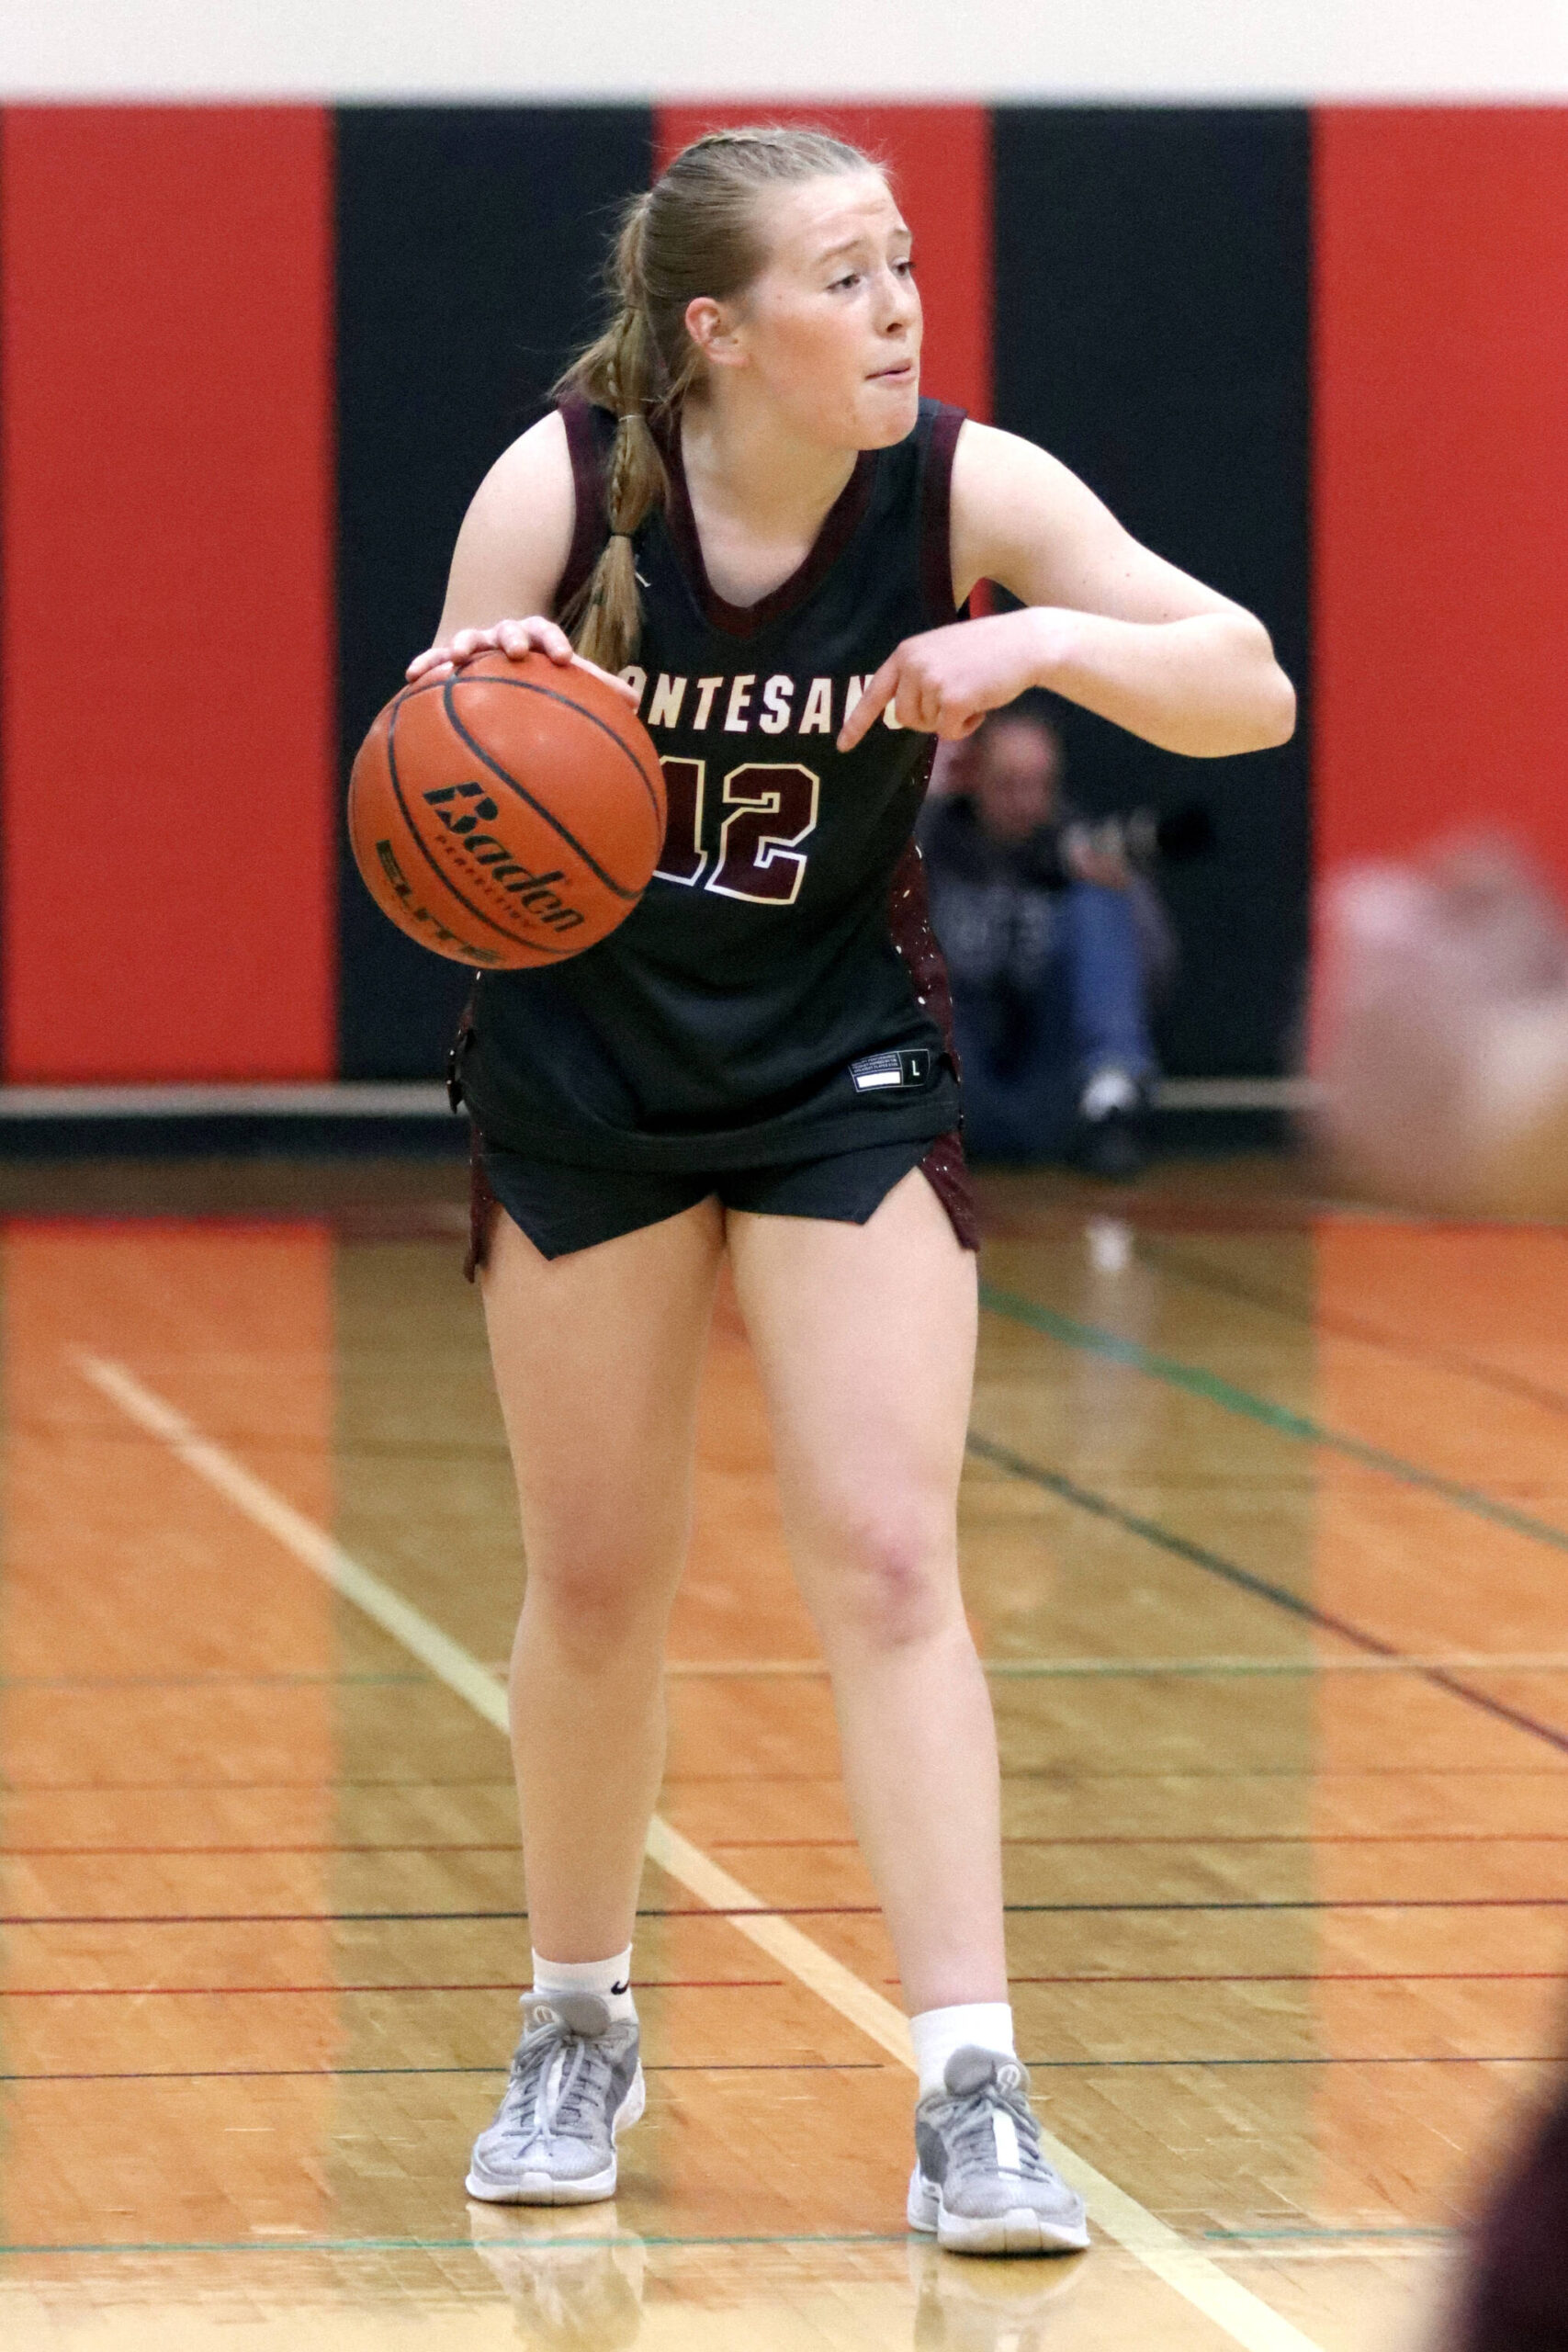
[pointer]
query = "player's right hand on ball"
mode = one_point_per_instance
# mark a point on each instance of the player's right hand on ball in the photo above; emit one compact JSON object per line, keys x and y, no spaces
{"x":514,"y":639}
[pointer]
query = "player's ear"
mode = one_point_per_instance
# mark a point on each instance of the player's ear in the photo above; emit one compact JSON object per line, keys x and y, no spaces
{"x":713,"y":329}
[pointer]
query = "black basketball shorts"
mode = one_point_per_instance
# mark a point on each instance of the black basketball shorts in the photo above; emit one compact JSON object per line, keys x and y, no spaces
{"x":562,"y":1209}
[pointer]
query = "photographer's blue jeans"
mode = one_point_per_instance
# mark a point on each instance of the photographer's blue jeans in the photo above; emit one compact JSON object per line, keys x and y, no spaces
{"x":1091,"y":1013}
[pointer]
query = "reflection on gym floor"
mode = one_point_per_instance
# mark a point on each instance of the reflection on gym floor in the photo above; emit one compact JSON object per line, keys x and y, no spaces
{"x":1265,"y":1528}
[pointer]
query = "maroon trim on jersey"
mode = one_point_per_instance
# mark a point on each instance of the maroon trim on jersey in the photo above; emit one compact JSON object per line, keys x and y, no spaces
{"x":744,"y":620}
{"x":484,"y":1207}
{"x":946,"y":1170}
{"x":590,"y":526}
{"x":910,"y":928}
{"x":936,"y":517}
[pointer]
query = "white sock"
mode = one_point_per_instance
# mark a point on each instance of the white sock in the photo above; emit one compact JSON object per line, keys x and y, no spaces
{"x":937,"y":2033}
{"x":611,"y":1979}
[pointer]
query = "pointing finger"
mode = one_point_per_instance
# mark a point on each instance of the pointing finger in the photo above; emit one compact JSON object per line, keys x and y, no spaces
{"x":871,"y":706}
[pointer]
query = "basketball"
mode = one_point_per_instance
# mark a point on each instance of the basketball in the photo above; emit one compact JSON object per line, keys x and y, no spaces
{"x":510,"y":815}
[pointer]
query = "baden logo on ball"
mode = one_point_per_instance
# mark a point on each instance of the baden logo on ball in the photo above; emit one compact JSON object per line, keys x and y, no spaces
{"x":495,"y":861}
{"x":510,"y":815}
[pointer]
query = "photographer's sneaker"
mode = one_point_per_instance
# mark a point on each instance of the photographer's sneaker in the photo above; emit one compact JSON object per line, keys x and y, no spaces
{"x":980,"y":2184}
{"x":575,"y":2083}
{"x":1110,"y":1139}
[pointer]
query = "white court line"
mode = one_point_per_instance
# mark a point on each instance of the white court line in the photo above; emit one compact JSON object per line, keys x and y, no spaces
{"x":1242,"y":2315}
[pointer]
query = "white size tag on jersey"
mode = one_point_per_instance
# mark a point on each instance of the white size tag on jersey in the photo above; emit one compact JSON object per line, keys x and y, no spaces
{"x":907,"y":1066}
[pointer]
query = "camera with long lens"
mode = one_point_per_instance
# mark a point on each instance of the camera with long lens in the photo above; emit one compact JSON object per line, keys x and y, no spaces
{"x":1143,"y":838}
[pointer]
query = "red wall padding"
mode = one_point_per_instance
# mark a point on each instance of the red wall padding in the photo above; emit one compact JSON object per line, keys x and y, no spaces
{"x":1441,"y":468}
{"x":941,"y":161}
{"x":168,"y":634}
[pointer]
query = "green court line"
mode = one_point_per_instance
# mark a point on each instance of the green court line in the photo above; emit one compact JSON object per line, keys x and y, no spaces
{"x":1219,"y":1669}
{"x":447,"y":2245}
{"x":1199,"y":1274}
{"x":496,"y":2069}
{"x":1090,"y":1339}
{"x":193,"y":1681}
{"x":1279,"y":1596}
{"x":1164,"y":2065}
{"x":1427,"y":2235}
{"x":645,"y":1911}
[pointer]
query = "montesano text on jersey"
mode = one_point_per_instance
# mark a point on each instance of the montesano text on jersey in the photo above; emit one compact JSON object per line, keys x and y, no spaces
{"x":775,"y":994}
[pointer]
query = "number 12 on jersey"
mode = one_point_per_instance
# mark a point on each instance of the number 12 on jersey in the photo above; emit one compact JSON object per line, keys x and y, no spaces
{"x":770,"y":807}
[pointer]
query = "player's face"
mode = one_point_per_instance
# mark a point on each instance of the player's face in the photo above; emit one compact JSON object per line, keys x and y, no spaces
{"x":832,"y":323}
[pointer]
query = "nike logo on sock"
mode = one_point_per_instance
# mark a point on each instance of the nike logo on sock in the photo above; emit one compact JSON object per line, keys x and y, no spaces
{"x":621,"y":1988}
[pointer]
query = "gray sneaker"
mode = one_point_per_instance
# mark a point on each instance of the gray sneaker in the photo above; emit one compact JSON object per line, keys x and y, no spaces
{"x":980,"y":2184}
{"x":575,"y":2083}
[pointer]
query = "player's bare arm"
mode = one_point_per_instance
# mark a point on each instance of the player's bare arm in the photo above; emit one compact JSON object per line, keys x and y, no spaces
{"x":511,"y":553}
{"x":1106,"y":622}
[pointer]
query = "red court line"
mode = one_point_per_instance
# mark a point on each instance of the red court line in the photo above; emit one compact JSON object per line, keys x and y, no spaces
{"x":747,"y":1845}
{"x":1325,"y":1976}
{"x":1315,"y":1903}
{"x":1326,"y":1774}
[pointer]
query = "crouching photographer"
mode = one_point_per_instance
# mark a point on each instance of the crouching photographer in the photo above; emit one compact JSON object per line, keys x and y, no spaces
{"x":1057,"y":943}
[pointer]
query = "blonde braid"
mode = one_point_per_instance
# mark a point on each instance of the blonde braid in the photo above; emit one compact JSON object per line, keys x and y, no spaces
{"x":618,"y":372}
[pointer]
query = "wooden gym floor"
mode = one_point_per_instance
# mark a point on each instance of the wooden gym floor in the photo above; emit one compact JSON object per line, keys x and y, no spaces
{"x":1266,"y":1527}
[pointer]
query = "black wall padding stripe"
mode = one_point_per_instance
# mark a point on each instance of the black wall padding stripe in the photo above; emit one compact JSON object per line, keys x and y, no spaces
{"x":470,"y":248}
{"x":1152,"y":330}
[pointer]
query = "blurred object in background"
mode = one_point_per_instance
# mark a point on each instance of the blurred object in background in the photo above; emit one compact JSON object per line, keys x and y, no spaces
{"x":1442,"y":1033}
{"x":1057,"y":943}
{"x":1514,"y":2297}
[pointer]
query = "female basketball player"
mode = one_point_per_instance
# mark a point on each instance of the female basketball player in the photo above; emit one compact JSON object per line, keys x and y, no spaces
{"x":744,"y":507}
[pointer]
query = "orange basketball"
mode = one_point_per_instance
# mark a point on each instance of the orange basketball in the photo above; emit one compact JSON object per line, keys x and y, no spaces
{"x":508,"y":815}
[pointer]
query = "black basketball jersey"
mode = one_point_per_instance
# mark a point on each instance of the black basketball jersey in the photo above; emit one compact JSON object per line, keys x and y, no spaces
{"x":755,"y":1006}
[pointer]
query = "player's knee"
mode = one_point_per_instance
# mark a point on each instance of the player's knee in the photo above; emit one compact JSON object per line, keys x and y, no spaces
{"x":598,"y":1603}
{"x":896,"y":1581}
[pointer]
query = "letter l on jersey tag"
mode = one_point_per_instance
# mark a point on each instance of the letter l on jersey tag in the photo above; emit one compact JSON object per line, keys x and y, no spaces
{"x":908,"y":1065}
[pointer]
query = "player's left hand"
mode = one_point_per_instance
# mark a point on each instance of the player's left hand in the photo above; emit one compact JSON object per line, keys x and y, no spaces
{"x":944,"y":681}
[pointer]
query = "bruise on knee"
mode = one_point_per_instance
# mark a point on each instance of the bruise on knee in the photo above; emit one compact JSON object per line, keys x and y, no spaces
{"x":888,"y":1583}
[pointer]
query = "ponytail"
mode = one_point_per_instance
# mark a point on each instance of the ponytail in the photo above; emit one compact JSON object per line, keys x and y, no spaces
{"x":695,"y":232}
{"x":621,"y":372}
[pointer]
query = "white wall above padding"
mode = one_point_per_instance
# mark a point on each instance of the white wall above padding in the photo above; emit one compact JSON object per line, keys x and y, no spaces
{"x":1151,"y":50}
